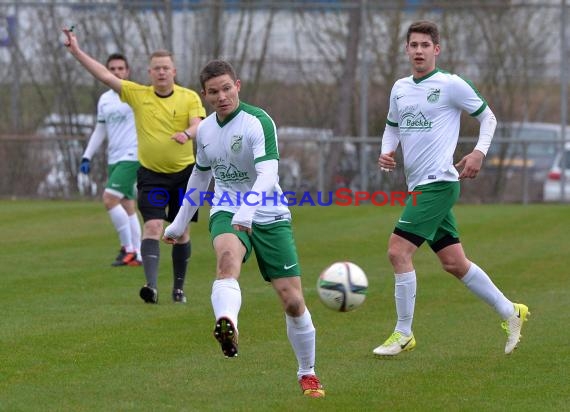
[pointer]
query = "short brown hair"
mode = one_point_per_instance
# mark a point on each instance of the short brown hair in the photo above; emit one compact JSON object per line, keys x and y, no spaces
{"x":117,"y":56}
{"x":216,"y":68}
{"x":424,"y":27}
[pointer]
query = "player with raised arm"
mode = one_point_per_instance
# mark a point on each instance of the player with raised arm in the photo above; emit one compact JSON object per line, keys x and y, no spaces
{"x":116,"y":122}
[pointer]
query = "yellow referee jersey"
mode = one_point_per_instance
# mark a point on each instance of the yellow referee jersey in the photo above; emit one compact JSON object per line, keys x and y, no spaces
{"x":157,"y":119}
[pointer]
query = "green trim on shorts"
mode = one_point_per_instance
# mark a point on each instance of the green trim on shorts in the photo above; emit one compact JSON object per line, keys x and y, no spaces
{"x":273,"y":243}
{"x":431,"y":217}
{"x":122,"y":178}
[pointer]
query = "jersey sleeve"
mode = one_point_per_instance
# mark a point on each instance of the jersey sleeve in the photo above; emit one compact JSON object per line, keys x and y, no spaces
{"x":196,"y":109}
{"x":128,"y":91}
{"x":100,"y":111}
{"x":202,"y":162}
{"x":393,"y":116}
{"x":390,"y":139}
{"x":467,"y":97}
{"x":95,"y":140}
{"x":263,"y":139}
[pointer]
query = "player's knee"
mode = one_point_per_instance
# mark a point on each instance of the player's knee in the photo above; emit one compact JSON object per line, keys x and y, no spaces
{"x":453,"y":266}
{"x":185,"y":238}
{"x":396,"y":256}
{"x":293,"y":302}
{"x":153,"y":228}
{"x":294,"y":307}
{"x":228,"y":261}
{"x":110,"y":201}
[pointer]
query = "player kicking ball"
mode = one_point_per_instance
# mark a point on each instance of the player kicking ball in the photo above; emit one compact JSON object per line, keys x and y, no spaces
{"x":237,"y":146}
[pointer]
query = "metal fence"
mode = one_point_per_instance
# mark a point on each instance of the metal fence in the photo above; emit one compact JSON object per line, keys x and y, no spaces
{"x":513,"y":173}
{"x":40,"y":167}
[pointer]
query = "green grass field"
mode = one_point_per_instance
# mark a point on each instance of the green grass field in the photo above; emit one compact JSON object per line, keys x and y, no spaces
{"x":75,"y":336}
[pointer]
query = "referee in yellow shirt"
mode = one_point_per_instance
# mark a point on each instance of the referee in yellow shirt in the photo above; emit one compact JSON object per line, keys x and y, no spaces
{"x":166,"y":118}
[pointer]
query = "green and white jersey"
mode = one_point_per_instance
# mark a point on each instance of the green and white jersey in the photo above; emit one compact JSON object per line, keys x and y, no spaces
{"x":230,"y":149}
{"x":119,"y":122}
{"x":427,"y":113}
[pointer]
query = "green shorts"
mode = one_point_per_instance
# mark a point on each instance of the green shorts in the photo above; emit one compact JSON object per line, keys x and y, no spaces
{"x":122,"y":178}
{"x":273,"y":243}
{"x":431,"y":216}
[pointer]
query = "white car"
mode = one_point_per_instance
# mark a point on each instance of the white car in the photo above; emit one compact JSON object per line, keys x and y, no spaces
{"x":553,"y":183}
{"x":63,"y":152}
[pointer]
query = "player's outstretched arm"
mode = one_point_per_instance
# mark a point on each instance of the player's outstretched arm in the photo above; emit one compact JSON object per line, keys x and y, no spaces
{"x":98,"y":70}
{"x":267,"y":178}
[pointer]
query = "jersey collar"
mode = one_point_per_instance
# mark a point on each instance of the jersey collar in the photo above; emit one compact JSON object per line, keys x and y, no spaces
{"x":230,"y":117}
{"x":420,"y":79}
{"x":163,"y":96}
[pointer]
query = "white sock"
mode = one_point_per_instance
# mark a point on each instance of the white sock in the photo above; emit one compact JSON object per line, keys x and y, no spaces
{"x":405,"y":296}
{"x":226,"y":299}
{"x":478,"y":282}
{"x":135,"y":233}
{"x":302,"y":335}
{"x":120,"y":220}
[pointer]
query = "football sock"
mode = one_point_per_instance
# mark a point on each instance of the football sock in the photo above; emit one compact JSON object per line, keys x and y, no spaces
{"x":135,"y":232}
{"x":226,"y":299}
{"x":302,"y":335}
{"x":478,"y":282}
{"x":150,"y":251}
{"x":180,"y":257}
{"x":405,"y":296}
{"x":120,"y":220}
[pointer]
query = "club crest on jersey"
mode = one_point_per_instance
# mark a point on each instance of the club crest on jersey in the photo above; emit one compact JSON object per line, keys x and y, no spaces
{"x":236,"y":143}
{"x":433,"y":95}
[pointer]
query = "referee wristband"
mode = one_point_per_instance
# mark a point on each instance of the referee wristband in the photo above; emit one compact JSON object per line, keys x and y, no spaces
{"x":187,"y":134}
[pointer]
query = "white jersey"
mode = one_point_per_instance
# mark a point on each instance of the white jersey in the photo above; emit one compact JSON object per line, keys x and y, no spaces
{"x":427,"y":113}
{"x":230,"y":149}
{"x":119,"y":122}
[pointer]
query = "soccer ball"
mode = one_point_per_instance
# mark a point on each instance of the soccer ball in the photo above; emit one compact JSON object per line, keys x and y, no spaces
{"x":342,"y":286}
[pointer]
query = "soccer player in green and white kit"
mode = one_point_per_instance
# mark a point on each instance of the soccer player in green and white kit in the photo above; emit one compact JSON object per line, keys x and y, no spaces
{"x":237,"y":146}
{"x":116,"y":121}
{"x":423,"y":117}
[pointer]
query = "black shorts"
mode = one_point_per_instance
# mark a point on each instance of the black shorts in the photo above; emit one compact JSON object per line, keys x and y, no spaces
{"x":160,"y":195}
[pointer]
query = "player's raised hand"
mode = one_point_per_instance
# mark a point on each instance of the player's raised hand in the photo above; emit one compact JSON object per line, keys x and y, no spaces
{"x":70,"y":40}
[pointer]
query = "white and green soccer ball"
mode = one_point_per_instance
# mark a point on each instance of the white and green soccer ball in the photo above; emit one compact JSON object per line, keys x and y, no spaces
{"x":342,"y":286}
